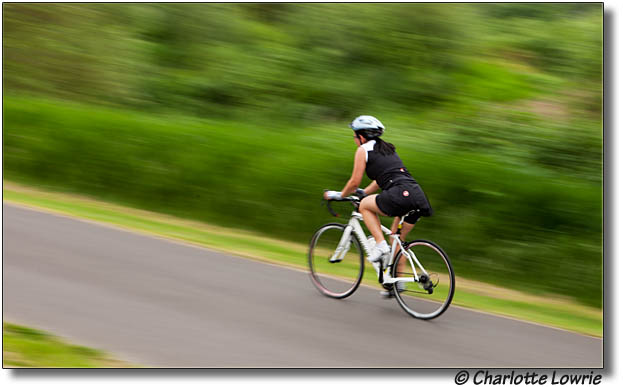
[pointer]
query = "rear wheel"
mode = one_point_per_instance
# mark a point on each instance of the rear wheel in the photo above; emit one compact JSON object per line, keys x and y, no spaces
{"x":433,"y":290}
{"x":335,"y":279}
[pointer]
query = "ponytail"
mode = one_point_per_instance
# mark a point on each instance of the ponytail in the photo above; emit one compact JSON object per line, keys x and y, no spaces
{"x":384,"y":148}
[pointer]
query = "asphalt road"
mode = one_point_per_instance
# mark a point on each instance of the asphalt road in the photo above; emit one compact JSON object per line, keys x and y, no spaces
{"x":159,"y":303}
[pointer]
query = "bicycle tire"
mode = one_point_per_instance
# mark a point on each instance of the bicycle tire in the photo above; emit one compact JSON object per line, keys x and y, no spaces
{"x":335,"y":280}
{"x":408,"y":299}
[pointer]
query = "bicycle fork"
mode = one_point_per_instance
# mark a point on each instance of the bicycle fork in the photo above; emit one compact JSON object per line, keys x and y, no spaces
{"x":343,"y":246}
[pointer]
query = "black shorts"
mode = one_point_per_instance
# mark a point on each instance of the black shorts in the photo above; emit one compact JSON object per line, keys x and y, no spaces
{"x":402,"y":198}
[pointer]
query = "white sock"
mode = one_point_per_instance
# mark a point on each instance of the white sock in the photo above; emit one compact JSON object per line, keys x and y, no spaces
{"x":383,"y":246}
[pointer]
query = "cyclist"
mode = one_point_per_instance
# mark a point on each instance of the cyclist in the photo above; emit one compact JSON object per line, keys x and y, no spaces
{"x":400,"y":194}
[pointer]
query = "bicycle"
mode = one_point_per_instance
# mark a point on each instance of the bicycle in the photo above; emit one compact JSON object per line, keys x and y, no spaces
{"x":419,"y":272}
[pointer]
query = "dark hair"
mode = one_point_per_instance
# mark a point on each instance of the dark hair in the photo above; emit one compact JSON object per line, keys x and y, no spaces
{"x":384,"y":148}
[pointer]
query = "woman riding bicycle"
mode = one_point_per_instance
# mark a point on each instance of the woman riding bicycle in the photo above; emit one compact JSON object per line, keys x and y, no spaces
{"x":400,"y":194}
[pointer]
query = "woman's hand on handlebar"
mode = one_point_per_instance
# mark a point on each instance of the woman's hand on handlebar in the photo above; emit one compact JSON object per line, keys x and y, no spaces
{"x":332,"y":195}
{"x":337,"y":195}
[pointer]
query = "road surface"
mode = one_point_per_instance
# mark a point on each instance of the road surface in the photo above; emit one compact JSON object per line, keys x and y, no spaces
{"x":160,"y":303}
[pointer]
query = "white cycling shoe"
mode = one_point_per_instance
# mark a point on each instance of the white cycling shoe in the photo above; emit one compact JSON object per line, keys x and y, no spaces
{"x":389,"y":293}
{"x":379,"y":255}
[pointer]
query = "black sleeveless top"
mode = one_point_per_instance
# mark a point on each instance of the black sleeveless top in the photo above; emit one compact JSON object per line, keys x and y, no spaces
{"x":386,"y":170}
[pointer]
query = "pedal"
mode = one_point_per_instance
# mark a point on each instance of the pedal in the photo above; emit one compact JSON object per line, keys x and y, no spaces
{"x":377,"y":267}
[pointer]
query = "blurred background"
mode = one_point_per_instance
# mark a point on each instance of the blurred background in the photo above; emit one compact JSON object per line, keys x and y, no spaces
{"x":237,"y":114}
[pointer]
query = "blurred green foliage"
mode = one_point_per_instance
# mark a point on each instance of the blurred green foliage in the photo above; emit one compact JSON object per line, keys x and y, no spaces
{"x":30,"y":348}
{"x":312,"y":61}
{"x":238,"y":113}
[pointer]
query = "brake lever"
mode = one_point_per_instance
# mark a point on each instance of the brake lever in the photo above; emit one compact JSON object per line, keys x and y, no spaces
{"x":329,"y":206}
{"x":331,"y":209}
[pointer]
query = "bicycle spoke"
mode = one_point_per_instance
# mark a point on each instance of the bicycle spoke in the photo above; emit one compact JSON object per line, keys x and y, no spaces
{"x":431,"y":294}
{"x":337,"y":278}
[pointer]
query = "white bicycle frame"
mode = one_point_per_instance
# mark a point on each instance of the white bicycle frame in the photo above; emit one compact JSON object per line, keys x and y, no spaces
{"x":386,"y":278}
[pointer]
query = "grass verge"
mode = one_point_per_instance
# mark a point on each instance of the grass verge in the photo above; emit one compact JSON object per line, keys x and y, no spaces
{"x":548,"y":310}
{"x":27,"y":347}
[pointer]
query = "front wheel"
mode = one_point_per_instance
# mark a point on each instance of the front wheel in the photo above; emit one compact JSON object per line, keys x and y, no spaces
{"x":332,"y":277}
{"x":430,"y":291}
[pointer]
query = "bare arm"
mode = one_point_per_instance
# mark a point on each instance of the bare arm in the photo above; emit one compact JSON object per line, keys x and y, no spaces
{"x":372,"y":188}
{"x":358,"y":170}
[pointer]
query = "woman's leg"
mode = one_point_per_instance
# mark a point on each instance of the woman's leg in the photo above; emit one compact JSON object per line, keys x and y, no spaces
{"x":406,"y":228}
{"x":370,"y":212}
{"x":394,"y":227}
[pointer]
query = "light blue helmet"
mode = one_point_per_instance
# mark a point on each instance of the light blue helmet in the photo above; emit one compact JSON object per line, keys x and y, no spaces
{"x":367,"y":122}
